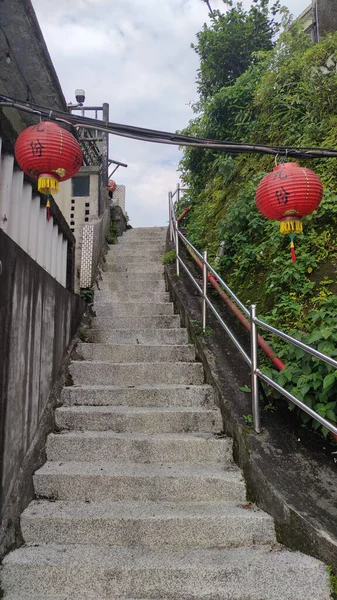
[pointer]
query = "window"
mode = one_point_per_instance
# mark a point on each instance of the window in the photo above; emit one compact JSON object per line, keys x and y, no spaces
{"x":72,"y":222}
{"x":81,"y":185}
{"x":86,"y":218}
{"x":73,"y":201}
{"x":87,"y":204}
{"x":87,"y":212}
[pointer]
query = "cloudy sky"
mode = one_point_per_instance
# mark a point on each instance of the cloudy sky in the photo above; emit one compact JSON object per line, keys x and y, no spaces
{"x":135,"y":55}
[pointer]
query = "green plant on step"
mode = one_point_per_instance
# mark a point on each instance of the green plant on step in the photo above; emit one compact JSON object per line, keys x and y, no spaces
{"x":84,"y":333}
{"x":111,"y":236}
{"x":248,"y":419}
{"x":169,"y":257}
{"x":198,"y":330}
{"x":87,"y":294}
{"x":333,"y":581}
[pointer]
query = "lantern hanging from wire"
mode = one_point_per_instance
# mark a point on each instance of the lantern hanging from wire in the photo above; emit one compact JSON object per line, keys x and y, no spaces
{"x":287,"y":194}
{"x":112,"y":185}
{"x":50,"y":154}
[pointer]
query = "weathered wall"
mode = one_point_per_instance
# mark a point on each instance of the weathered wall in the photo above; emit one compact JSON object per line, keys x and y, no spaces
{"x":326,"y":16}
{"x":38,"y":318}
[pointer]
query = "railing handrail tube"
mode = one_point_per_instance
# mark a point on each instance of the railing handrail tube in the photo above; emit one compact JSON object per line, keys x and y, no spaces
{"x":252,"y":326}
{"x":229,"y":333}
{"x":298,"y":403}
{"x":298,"y":343}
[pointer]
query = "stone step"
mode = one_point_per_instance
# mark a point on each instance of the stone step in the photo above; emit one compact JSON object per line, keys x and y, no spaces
{"x":135,"y":353}
{"x":121,"y":286}
{"x":62,"y":572}
{"x":147,"y":524}
{"x":105,"y":373}
{"x":108,"y":446}
{"x":118,"y":252}
{"x":106,"y":297}
{"x":130,"y":269}
{"x":134,"y":309}
{"x":135,"y":276}
{"x":143,"y":235}
{"x":130,"y":419}
{"x":148,"y":230}
{"x":146,"y":395}
{"x":171,"y":482}
{"x":154,"y":241}
{"x":147,"y":337}
{"x":154,"y":322}
{"x":122,"y":258}
{"x":138,"y":245}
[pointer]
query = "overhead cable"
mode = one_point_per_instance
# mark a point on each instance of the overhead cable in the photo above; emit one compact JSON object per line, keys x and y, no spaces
{"x":163,"y":137}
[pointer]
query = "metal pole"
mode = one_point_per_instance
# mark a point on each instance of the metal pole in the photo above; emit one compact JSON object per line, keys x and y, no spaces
{"x":177,"y":247}
{"x":255,"y":379}
{"x":170,"y":216}
{"x":178,"y":192}
{"x":105,"y":163}
{"x":204,"y":290}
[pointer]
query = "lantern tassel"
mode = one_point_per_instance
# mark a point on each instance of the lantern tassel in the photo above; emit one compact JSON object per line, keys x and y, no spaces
{"x":48,"y":209}
{"x":48,"y":185}
{"x":292,"y":248}
{"x":291,"y":226}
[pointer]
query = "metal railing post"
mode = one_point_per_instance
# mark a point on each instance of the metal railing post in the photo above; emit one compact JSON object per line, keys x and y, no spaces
{"x":178,"y":192}
{"x":170,"y":215}
{"x":255,"y":379}
{"x":204,"y":290}
{"x":177,"y":247}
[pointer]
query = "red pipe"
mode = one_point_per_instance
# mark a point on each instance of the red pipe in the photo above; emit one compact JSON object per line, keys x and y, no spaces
{"x":263,"y":345}
{"x":183,"y":214}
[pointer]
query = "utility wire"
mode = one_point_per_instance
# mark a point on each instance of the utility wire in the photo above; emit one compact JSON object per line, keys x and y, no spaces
{"x":164,"y":137}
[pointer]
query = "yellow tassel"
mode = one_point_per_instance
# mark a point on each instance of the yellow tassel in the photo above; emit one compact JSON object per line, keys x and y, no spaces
{"x":48,"y":185}
{"x":291,"y":226}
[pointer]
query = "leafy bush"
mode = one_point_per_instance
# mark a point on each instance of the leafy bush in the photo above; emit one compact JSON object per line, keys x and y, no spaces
{"x":286,"y":96}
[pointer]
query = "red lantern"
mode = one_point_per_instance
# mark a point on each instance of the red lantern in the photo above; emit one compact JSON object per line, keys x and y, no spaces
{"x":112,"y":185}
{"x":287,"y":194}
{"x":48,"y":153}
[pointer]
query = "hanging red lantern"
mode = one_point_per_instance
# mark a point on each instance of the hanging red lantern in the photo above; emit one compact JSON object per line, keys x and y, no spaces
{"x":48,"y":153}
{"x":112,"y":185}
{"x":287,"y":194}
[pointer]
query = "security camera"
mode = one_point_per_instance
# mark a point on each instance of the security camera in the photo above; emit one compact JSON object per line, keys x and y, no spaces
{"x":80,"y":96}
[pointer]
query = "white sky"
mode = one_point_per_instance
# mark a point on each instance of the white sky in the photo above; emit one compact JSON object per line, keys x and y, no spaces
{"x":135,"y":55}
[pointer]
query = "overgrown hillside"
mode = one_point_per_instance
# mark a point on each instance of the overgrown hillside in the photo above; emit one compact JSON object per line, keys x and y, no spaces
{"x":282,"y":93}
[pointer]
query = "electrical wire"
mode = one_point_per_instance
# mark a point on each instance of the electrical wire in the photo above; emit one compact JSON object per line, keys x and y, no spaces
{"x":163,"y":137}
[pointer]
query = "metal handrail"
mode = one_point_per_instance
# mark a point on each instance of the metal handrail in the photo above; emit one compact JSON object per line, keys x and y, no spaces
{"x":252,"y":360}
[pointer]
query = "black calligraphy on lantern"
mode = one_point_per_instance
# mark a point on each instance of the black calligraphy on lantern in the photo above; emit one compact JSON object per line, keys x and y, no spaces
{"x":37,"y":148}
{"x":282,"y":196}
{"x":280,"y":175}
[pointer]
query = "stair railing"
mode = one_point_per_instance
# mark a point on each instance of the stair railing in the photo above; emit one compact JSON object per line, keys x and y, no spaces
{"x":254,"y":323}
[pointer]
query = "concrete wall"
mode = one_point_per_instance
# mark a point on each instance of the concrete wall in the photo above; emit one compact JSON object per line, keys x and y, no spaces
{"x":38,"y":318}
{"x":119,"y":197}
{"x":79,"y":210}
{"x":326,"y":16}
{"x":23,"y":218}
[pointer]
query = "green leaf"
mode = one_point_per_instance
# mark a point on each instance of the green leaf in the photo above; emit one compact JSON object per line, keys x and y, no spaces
{"x":331,"y":416}
{"x":245,"y":389}
{"x":329,"y":380}
{"x":325,"y":431}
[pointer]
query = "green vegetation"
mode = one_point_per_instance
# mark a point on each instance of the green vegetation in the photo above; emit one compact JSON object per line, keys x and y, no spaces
{"x":111,"y":236}
{"x":333,"y":580}
{"x":169,"y":257}
{"x":276,"y":93}
{"x":87,"y":294}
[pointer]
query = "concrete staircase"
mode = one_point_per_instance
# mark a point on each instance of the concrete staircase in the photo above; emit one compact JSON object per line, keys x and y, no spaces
{"x":139,"y":499}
